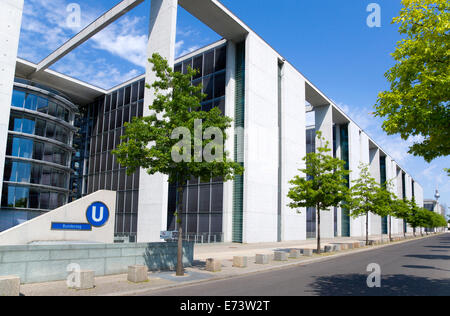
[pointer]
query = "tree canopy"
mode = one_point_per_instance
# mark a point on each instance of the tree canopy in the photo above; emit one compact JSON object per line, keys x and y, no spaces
{"x":417,"y":104}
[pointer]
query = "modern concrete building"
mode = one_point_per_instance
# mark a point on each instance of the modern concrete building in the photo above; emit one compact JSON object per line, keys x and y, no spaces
{"x":267,"y":97}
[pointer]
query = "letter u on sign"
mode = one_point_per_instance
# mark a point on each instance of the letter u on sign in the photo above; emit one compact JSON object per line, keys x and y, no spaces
{"x":97,"y":214}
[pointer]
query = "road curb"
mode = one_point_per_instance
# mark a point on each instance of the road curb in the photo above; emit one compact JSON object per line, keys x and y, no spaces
{"x":273,"y":268}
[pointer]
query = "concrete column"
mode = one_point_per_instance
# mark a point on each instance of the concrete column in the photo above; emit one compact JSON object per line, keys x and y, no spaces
{"x":230,"y":102}
{"x":10,"y":23}
{"x":324,"y":123}
{"x":374,"y":157}
{"x":153,"y":190}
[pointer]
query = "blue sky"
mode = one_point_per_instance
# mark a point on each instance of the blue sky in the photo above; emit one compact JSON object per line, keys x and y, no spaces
{"x":327,"y":40}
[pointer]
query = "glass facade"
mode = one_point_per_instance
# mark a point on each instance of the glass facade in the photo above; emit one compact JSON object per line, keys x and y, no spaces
{"x":202,"y":206}
{"x":345,"y":155}
{"x":96,"y":168}
{"x":38,"y":154}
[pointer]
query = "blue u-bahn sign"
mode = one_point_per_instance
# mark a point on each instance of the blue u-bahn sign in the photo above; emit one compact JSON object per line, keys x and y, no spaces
{"x":97,"y":215}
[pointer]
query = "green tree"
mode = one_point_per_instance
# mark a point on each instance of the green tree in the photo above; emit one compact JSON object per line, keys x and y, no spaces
{"x":414,"y":219}
{"x":400,"y":209}
{"x":417,"y":103}
{"x":322,"y":184}
{"x":153,"y":142}
{"x":367,"y":196}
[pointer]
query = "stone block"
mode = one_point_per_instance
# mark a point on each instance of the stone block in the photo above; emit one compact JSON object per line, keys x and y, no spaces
{"x":84,"y":280}
{"x":336,"y":248}
{"x":280,"y":256}
{"x":344,"y":246}
{"x":356,"y":245}
{"x":261,"y":259}
{"x":308,"y":252}
{"x":295,"y":254}
{"x":328,"y":249}
{"x":213,"y":265}
{"x":350,"y":246}
{"x":240,"y":262}
{"x":137,"y":273}
{"x":9,"y":286}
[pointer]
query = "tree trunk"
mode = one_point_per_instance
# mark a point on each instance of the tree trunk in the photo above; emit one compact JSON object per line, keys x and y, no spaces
{"x":367,"y":228}
{"x":318,"y":229}
{"x":180,"y":268}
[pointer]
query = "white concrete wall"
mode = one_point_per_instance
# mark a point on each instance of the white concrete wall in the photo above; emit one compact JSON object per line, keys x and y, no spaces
{"x":324,"y":123}
{"x":261,"y":142}
{"x":39,"y":228}
{"x":293,"y":149}
{"x":10,"y":23}
{"x":230,"y":102}
{"x":153,"y":190}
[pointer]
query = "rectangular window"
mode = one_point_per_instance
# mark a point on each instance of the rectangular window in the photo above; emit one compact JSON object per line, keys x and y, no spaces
{"x":28,"y":126}
{"x":18,"y":99}
{"x":127,"y":95}
{"x":141,"y":89}
{"x":221,"y":58}
{"x":219,"y":85}
{"x":209,"y":63}
{"x":198,"y":66}
{"x":31,"y":102}
{"x":208,"y":87}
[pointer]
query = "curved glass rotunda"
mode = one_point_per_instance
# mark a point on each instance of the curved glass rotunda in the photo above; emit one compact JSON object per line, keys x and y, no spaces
{"x":38,"y":155}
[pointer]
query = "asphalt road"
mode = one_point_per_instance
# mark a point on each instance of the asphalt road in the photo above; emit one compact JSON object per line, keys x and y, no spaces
{"x":419,"y":267}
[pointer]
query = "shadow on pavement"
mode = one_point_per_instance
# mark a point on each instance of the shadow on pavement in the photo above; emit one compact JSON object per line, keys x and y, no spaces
{"x":439,"y":247}
{"x":423,"y":267}
{"x":430,"y":257}
{"x":391,"y":285}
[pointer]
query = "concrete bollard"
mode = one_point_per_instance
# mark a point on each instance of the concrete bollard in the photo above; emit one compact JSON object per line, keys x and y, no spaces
{"x":137,"y":274}
{"x":328,"y":249}
{"x":362,"y":244}
{"x":308,"y":252}
{"x":262,"y":259}
{"x":344,"y":246}
{"x":9,"y":286}
{"x":295,"y":254}
{"x":84,"y":280}
{"x":356,"y":245}
{"x":240,"y":262}
{"x":372,"y":242}
{"x":350,"y":246}
{"x":336,"y":248}
{"x":280,"y":256}
{"x":213,"y":265}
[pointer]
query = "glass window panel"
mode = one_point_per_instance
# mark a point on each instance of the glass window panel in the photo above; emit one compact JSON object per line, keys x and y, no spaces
{"x":66,"y":115}
{"x":114,"y":101}
{"x":26,"y":148}
{"x":102,"y":181}
{"x":128,"y":202}
{"x":15,"y":123}
{"x":11,"y":196}
{"x":186,"y":65}
{"x":133,"y":111}
{"x":36,"y":174}
{"x":193,"y":199}
{"x":120,"y":201}
{"x":112,"y":121}
{"x":109,"y":165}
{"x":18,"y":99}
{"x":119,"y":118}
{"x":127,"y":95}
{"x":208,"y":87}
{"x":203,"y":223}
{"x":141,"y":89}
{"x":8,"y":170}
{"x":136,"y":179}
{"x":105,"y":142}
{"x":21,"y":197}
{"x":50,"y":132}
{"x":60,"y":112}
{"x":134,"y":207}
{"x":192,"y":224}
{"x":40,"y":128}
{"x":111,"y":141}
{"x":134,"y":92}
{"x":207,"y":107}
{"x":48,"y":153}
{"x":126,"y":114}
{"x":107,"y":103}
{"x":38,"y":151}
{"x":34,"y":199}
{"x":120,"y":98}
{"x":13,"y":176}
{"x":178,"y":67}
{"x":129,"y":183}
{"x":198,"y":66}
{"x":61,"y":199}
{"x":140,"y":109}
{"x":31,"y":102}
{"x":219,"y":85}
{"x":42,"y":105}
{"x":44,"y":199}
{"x":23,"y":172}
{"x":115,"y":181}
{"x":221,"y":58}
{"x":46,"y":176}
{"x":204,"y":199}
{"x":52,"y":109}
{"x":221,"y":105}
{"x":122,"y":179}
{"x":53,"y":200}
{"x":209,"y":63}
{"x":217,"y":198}
{"x":216,"y":223}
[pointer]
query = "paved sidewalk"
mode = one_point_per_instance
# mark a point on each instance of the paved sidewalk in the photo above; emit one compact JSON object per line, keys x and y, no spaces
{"x":118,"y":284}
